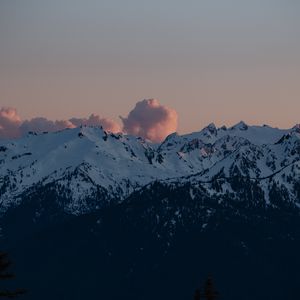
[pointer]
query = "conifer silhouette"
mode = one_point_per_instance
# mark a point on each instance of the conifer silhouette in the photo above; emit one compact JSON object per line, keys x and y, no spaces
{"x":209,"y":290}
{"x":5,"y":264}
{"x":197,"y":295}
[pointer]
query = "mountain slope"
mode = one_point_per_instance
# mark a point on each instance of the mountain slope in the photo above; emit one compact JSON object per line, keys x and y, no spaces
{"x":162,"y":241}
{"x":87,"y":163}
{"x":90,"y":215}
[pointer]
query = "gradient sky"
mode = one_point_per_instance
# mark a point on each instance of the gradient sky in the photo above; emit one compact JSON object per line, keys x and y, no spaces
{"x":212,"y":61}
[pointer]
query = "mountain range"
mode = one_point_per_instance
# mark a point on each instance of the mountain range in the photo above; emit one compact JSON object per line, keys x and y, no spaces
{"x":88,"y":214}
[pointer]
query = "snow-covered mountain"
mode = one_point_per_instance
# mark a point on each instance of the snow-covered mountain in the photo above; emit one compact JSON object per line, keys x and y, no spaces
{"x":151,"y":219}
{"x":88,"y":167}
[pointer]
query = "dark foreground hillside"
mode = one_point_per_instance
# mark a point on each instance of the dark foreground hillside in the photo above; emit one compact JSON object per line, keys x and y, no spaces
{"x":161,"y":243}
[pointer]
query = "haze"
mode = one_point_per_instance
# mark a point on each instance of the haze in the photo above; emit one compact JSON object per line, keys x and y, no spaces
{"x":212,"y":61}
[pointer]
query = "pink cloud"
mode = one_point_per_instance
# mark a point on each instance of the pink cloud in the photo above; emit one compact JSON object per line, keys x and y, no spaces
{"x":95,"y":120}
{"x":9,"y":123}
{"x":151,"y":120}
{"x":42,"y":124}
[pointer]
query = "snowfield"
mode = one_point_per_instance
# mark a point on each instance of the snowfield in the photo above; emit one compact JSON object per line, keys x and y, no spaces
{"x":87,"y":161}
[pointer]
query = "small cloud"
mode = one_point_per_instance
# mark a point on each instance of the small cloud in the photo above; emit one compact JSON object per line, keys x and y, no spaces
{"x":9,"y":123}
{"x":42,"y":124}
{"x":151,"y":120}
{"x":95,"y":120}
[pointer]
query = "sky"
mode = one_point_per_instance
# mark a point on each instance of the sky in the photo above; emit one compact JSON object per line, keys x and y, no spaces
{"x":218,"y":61}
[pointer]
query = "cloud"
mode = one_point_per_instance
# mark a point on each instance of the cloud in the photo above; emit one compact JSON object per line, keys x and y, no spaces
{"x":151,"y":120}
{"x":42,"y":124}
{"x":9,"y":123}
{"x":95,"y":120}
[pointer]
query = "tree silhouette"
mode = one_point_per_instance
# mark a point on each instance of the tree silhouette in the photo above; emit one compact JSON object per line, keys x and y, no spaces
{"x":197,"y":295}
{"x":5,"y":264}
{"x":209,"y":290}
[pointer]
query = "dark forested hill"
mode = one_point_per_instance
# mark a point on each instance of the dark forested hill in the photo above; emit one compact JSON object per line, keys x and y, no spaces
{"x":161,"y":242}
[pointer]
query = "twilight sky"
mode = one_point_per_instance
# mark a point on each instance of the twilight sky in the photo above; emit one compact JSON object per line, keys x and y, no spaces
{"x":216,"y":61}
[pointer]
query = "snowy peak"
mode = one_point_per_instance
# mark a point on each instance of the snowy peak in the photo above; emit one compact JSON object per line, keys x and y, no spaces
{"x":210,"y":129}
{"x":257,"y":135}
{"x":296,"y":128}
{"x":240,"y":126}
{"x":85,"y":160}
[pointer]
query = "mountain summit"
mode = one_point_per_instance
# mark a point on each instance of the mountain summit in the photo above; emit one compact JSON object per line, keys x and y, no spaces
{"x":88,"y":163}
{"x":88,"y":214}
